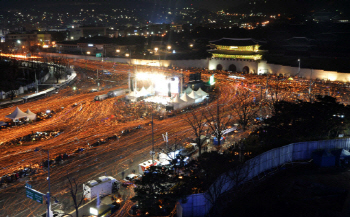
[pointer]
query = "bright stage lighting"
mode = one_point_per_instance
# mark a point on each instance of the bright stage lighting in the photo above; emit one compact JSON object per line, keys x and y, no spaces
{"x":161,"y":82}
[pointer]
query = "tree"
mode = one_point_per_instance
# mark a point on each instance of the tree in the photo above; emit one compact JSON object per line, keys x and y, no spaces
{"x":304,"y":121}
{"x":197,"y":121}
{"x":73,"y":190}
{"x":218,"y":120}
{"x":155,"y":193}
{"x":244,"y":107}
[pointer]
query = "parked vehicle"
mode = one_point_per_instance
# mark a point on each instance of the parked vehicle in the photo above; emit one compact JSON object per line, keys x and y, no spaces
{"x":117,"y":92}
{"x":102,"y":186}
{"x":101,"y":97}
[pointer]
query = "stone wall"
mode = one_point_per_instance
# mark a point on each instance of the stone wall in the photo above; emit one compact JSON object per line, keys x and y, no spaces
{"x":251,"y":66}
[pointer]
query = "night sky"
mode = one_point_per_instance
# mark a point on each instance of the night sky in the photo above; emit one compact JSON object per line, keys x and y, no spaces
{"x":211,"y":5}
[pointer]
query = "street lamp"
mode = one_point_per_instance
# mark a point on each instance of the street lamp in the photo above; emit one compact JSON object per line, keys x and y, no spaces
{"x":299,"y":66}
{"x":48,"y":211}
{"x":155,"y":49}
{"x":169,"y":47}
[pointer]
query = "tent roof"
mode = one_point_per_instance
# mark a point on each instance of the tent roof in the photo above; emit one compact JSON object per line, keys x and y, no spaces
{"x":143,"y":92}
{"x":194,"y":95}
{"x":188,"y":90}
{"x":29,"y":112}
{"x":186,"y":98}
{"x":18,"y":113}
{"x":150,"y":89}
{"x":132,"y":93}
{"x":2,"y":123}
{"x":201,"y":92}
{"x":178,"y":100}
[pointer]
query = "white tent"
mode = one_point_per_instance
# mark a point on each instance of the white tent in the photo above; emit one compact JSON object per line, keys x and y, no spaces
{"x":17,"y":114}
{"x":194,"y":95}
{"x":31,"y":115}
{"x":178,"y":103}
{"x":188,"y":90}
{"x":187,"y":99}
{"x":132,"y":94}
{"x":202,"y":93}
{"x":164,"y":159}
{"x":150,"y":89}
{"x":143,"y":92}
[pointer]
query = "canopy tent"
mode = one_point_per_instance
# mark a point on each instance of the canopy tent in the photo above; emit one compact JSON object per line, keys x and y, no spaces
{"x":150,"y":89}
{"x":194,"y":95}
{"x":178,"y":100}
{"x":31,"y":115}
{"x":143,"y":92}
{"x":188,"y":90}
{"x":17,"y":114}
{"x":187,"y":99}
{"x":2,"y":123}
{"x":178,"y":103}
{"x":132,"y":93}
{"x":341,"y":155}
{"x":164,"y":159}
{"x":201,"y":92}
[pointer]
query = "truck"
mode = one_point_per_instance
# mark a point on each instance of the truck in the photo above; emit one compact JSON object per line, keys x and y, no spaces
{"x":101,"y":97}
{"x":117,"y":92}
{"x":103,"y":186}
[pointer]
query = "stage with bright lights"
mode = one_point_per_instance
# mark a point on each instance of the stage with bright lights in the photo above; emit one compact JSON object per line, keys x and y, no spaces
{"x":165,"y":89}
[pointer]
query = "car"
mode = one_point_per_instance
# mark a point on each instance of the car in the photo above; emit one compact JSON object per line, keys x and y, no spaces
{"x":131,"y":177}
{"x":93,"y":90}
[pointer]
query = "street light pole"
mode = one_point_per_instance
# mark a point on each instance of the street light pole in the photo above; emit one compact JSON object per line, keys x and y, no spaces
{"x":48,"y":179}
{"x":152,"y":142}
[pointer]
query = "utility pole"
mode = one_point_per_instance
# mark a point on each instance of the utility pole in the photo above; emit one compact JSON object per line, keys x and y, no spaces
{"x":129,"y":77}
{"x":48,"y":214}
{"x":36,"y":83}
{"x":98,"y":83}
{"x":152,"y":142}
{"x":166,"y":140}
{"x":261,"y":102}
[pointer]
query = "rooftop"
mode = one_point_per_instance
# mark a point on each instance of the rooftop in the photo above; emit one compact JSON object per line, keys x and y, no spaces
{"x":235,"y":42}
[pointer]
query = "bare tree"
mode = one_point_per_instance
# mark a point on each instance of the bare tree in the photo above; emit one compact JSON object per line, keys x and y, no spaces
{"x":73,"y":190}
{"x":244,"y":107}
{"x":197,"y":122}
{"x":218,"y":120}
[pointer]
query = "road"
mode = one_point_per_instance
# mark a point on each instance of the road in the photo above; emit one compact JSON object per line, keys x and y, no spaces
{"x":90,"y":121}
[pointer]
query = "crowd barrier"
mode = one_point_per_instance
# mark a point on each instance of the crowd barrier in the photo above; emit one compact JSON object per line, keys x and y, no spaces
{"x":200,"y":204}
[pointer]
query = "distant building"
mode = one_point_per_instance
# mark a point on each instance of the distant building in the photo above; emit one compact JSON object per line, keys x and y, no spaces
{"x":235,"y":48}
{"x":91,"y":31}
{"x":22,"y":41}
{"x":235,"y":55}
{"x":91,"y":46}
